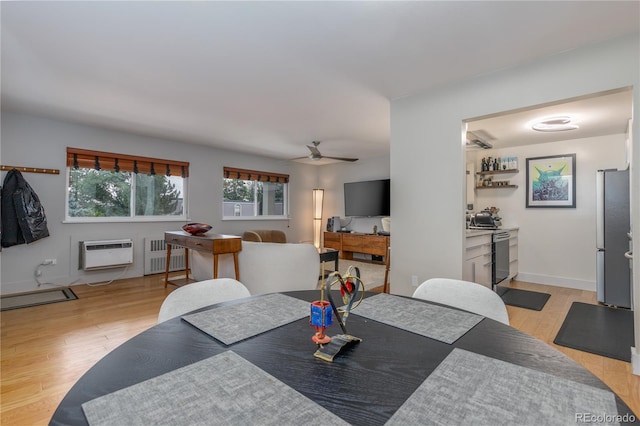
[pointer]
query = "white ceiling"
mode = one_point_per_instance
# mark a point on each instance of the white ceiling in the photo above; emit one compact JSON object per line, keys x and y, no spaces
{"x":270,"y":77}
{"x":598,"y":114}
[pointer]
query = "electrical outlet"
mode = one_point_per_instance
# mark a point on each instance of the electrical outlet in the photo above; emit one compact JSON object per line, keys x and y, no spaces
{"x":414,"y":280}
{"x":50,"y":262}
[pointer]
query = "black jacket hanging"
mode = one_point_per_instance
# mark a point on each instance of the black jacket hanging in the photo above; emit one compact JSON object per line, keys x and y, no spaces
{"x":23,"y":218}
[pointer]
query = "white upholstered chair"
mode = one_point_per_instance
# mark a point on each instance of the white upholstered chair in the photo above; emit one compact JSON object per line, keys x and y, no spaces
{"x":465,"y":295}
{"x":200,"y":294}
{"x":265,"y":267}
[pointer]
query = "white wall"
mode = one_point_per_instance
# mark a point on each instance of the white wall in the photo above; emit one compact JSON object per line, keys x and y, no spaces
{"x":427,"y":154}
{"x":556,"y":245}
{"x":33,"y":141}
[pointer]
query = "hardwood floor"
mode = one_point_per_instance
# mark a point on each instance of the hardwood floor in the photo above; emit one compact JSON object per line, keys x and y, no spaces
{"x":545,"y":325}
{"x":45,"y":349}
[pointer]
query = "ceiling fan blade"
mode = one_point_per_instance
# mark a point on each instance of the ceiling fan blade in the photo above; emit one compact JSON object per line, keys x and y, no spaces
{"x":314,"y":151}
{"x":341,"y":158}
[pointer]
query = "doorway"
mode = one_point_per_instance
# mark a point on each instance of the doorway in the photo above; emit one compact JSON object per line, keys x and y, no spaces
{"x":555,"y":246}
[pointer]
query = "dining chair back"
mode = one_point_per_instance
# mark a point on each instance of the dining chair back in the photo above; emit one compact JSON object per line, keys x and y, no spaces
{"x":200,"y":294}
{"x":465,"y":295}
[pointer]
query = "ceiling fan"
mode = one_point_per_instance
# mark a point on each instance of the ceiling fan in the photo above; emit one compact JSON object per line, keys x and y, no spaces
{"x":316,"y":155}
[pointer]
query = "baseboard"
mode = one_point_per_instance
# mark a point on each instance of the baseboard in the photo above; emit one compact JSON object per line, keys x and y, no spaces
{"x":68,"y":281}
{"x":635,"y":361}
{"x":556,"y":281}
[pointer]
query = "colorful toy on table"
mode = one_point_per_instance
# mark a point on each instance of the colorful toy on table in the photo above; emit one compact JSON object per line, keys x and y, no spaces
{"x":350,"y":287}
{"x":320,"y":320}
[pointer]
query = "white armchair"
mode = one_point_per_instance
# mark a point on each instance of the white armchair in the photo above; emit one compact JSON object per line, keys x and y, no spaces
{"x":265,"y":267}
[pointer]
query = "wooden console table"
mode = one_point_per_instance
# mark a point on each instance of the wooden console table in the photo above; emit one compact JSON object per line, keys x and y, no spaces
{"x":213,"y":243}
{"x":349,"y":243}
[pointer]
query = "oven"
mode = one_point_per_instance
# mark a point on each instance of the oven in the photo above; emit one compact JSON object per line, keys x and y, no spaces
{"x":499,"y":257}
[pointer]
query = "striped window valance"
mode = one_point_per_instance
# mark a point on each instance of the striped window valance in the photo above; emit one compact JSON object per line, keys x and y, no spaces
{"x":99,"y":160}
{"x":244,"y":174}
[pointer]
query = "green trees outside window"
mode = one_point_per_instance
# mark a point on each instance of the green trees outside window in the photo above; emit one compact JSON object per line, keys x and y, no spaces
{"x":109,"y":194}
{"x":253,"y":198}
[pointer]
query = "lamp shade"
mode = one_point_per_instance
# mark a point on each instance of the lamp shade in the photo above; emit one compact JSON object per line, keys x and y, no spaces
{"x":318,"y":198}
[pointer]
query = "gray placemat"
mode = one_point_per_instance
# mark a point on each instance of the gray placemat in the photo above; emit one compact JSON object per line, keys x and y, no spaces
{"x":232,"y":323}
{"x":436,"y":322}
{"x":222,"y":390}
{"x":468,"y":388}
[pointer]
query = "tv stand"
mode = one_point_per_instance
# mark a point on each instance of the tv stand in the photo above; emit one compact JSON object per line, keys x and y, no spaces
{"x":349,"y":243}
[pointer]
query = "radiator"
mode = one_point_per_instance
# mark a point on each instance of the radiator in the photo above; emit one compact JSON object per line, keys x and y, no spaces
{"x":105,"y":254}
{"x":155,"y":256}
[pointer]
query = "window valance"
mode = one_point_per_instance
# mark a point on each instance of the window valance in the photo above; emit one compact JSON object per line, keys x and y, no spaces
{"x":244,"y":174}
{"x":100,"y":160}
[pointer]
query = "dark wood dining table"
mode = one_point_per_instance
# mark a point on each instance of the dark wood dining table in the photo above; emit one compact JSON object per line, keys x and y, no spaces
{"x":365,"y":385}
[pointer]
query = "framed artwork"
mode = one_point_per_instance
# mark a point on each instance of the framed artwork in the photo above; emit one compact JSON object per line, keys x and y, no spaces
{"x":551,"y":181}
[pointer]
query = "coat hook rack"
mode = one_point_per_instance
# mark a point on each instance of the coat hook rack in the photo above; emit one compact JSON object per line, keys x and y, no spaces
{"x":31,"y":169}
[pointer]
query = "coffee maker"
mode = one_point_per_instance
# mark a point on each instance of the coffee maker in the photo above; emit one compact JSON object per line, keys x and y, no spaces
{"x":333,"y":224}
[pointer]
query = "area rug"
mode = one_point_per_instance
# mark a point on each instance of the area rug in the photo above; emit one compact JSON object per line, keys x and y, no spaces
{"x":599,"y":330}
{"x":523,"y":298}
{"x":36,"y":298}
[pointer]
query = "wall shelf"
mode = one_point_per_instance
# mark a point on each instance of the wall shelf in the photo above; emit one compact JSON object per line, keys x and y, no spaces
{"x":497,"y":172}
{"x":496,"y":186}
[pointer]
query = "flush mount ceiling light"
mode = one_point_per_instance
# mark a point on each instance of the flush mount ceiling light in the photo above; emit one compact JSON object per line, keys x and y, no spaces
{"x":554,"y":124}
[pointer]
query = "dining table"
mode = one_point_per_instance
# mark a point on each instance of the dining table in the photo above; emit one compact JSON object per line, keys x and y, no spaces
{"x":252,"y":361}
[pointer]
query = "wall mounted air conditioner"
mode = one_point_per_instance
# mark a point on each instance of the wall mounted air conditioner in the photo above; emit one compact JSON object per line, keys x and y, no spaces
{"x":105,"y":254}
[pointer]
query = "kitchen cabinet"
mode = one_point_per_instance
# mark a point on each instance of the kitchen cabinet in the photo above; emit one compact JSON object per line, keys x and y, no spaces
{"x":498,"y":183}
{"x":477,"y":262}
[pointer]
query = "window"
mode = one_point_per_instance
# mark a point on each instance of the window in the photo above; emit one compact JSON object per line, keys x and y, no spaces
{"x":252,"y":193}
{"x":104,"y":186}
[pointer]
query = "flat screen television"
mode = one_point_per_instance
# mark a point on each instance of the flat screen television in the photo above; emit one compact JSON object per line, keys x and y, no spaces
{"x":367,"y":198}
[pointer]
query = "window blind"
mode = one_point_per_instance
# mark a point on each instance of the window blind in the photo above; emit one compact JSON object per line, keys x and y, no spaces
{"x":100,"y":160}
{"x":244,"y":174}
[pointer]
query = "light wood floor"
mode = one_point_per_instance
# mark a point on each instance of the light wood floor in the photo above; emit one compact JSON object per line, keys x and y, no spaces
{"x":45,"y":349}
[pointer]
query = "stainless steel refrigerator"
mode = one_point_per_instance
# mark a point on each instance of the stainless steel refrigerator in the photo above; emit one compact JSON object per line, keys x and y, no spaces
{"x":613,"y":273}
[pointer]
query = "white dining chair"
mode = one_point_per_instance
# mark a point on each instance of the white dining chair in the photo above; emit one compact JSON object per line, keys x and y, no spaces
{"x":200,"y":294}
{"x":465,"y":295}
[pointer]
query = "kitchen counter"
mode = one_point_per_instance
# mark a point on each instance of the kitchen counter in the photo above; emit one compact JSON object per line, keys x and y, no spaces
{"x":477,"y":232}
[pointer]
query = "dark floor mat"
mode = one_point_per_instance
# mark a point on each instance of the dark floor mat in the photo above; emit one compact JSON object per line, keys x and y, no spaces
{"x":36,"y":298}
{"x":598,"y":330}
{"x":523,"y":298}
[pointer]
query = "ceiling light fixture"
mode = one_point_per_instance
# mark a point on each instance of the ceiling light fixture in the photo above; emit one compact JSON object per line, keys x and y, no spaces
{"x":554,"y":124}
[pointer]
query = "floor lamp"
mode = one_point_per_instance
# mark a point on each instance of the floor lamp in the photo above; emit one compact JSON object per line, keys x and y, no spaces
{"x":318,"y":197}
